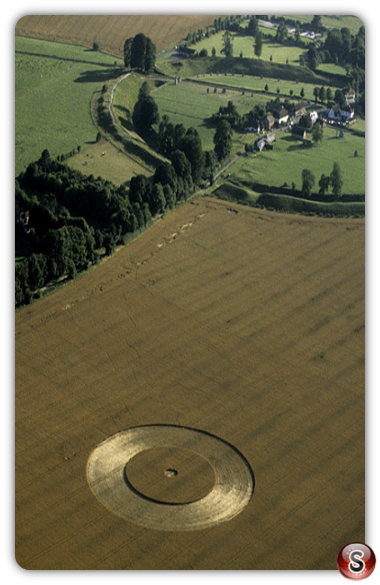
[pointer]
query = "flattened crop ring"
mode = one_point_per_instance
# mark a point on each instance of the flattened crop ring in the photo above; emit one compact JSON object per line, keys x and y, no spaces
{"x":170,"y":477}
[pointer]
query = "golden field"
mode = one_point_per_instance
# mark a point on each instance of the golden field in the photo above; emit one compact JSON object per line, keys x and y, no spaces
{"x":111,"y":31}
{"x":239,"y":322}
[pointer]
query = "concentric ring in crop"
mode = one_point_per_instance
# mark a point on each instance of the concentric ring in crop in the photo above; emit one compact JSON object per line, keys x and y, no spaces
{"x":150,"y":475}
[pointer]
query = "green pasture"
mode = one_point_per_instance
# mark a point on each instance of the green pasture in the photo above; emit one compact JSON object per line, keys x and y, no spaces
{"x":189,"y":104}
{"x":52,"y":100}
{"x":64,"y":51}
{"x":289,"y":157}
{"x":255,"y":83}
{"x":353,"y":23}
{"x":245,"y":45}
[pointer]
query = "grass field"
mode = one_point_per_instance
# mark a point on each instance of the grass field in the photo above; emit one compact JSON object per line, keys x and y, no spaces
{"x":105,"y":160}
{"x":189,"y":103}
{"x":52,"y":105}
{"x":288,"y":158}
{"x":245,"y":45}
{"x":239,"y":322}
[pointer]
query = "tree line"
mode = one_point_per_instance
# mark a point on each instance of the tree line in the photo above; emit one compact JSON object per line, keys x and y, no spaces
{"x":64,"y":220}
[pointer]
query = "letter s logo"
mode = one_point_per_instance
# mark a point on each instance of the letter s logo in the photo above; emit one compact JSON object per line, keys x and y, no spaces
{"x":356,"y":565}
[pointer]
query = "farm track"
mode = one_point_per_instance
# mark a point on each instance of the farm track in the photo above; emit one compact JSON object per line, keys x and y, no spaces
{"x":246,"y":324}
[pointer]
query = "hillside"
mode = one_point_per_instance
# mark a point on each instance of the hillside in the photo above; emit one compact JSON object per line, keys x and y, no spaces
{"x":110,"y":31}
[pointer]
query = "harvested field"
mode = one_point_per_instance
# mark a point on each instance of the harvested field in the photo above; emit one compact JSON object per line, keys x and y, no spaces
{"x":241,"y":323}
{"x":111,"y":31}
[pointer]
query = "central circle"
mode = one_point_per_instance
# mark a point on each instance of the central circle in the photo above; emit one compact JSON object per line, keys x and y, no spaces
{"x":191,"y":476}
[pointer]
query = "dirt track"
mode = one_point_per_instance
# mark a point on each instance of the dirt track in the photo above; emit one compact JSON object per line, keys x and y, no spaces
{"x":246,"y":324}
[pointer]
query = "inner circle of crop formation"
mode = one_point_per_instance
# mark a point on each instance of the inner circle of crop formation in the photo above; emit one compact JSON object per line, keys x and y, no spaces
{"x":170,"y":477}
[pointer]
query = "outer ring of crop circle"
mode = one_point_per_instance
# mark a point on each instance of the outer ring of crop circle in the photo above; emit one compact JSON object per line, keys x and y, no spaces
{"x":233,"y":489}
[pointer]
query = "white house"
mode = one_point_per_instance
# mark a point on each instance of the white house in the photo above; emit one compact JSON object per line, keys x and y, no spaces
{"x":337,"y":114}
{"x":350,"y":97}
{"x":313,"y":117}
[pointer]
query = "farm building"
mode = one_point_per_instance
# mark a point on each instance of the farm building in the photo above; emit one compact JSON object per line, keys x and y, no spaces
{"x":337,"y":114}
{"x":280,"y":113}
{"x":186,"y":51}
{"x":299,"y":132}
{"x":265,"y":142}
{"x":350,"y":97}
{"x":313,"y":117}
{"x":300,"y":109}
{"x":268,"y":122}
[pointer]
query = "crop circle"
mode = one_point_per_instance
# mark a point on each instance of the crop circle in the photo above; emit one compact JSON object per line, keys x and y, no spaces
{"x":170,"y":477}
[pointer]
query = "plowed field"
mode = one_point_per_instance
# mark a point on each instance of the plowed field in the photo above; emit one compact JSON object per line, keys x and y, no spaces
{"x":238,"y":322}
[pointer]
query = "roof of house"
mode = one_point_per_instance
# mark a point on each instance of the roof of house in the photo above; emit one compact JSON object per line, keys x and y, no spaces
{"x":299,"y":131}
{"x":300,"y":106}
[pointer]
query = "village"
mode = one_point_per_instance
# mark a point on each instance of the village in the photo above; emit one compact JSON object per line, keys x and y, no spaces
{"x":299,"y":119}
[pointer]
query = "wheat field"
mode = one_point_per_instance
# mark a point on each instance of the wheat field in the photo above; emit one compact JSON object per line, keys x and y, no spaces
{"x":111,"y":31}
{"x":238,"y":322}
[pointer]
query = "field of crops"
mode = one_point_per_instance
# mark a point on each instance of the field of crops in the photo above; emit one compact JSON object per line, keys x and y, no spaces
{"x":111,"y":31}
{"x":242,"y":323}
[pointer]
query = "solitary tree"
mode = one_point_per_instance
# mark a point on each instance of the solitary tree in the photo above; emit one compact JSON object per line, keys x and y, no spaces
{"x":336,"y":180}
{"x":308,"y":181}
{"x":145,"y":113}
{"x":317,"y":133}
{"x":323,"y":184}
{"x":228,"y":47}
{"x":258,"y":44}
{"x":223,"y":139}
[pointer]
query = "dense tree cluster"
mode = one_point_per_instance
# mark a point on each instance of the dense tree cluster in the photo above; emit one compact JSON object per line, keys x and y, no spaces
{"x":145,"y":113}
{"x":140,"y":53}
{"x":63,"y":218}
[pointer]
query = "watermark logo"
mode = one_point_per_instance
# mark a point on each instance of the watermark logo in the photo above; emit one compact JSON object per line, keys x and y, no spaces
{"x":356,"y":561}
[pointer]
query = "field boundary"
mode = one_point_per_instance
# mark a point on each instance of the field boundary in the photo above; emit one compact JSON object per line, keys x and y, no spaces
{"x":56,"y":58}
{"x":285,"y":203}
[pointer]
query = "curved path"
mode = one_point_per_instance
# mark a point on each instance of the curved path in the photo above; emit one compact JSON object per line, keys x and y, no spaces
{"x":228,"y":489}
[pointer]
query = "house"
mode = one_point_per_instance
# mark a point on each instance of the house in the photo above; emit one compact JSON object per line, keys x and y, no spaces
{"x":270,"y":138}
{"x":300,"y":109}
{"x":350,"y":97}
{"x":268,"y":122}
{"x":259,"y":144}
{"x":347,"y":113}
{"x":313,"y":117}
{"x":186,"y":51}
{"x":299,"y":132}
{"x":337,"y":114}
{"x":265,"y":142}
{"x":281,"y":115}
